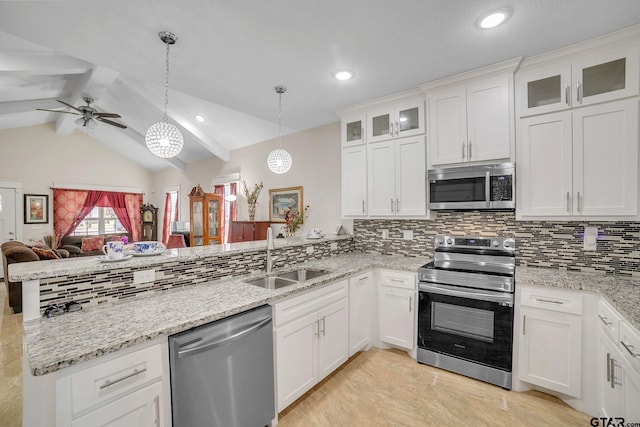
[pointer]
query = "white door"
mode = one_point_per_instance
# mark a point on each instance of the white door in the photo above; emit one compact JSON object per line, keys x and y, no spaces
{"x":395,"y":321}
{"x":605,"y":153}
{"x":544,"y":159}
{"x":360,"y":309}
{"x":380,"y":124}
{"x":411,"y":192}
{"x":296,"y":358}
{"x":544,"y":90}
{"x":354,"y":181}
{"x":488,"y":120}
{"x":409,"y":118}
{"x":382,"y":178}
{"x":550,"y":347}
{"x":448,"y":126}
{"x":333,"y":349}
{"x":7,"y":219}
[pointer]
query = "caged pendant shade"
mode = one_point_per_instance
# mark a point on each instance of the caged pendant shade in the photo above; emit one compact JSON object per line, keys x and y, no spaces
{"x":164,"y":139}
{"x":279,"y":160}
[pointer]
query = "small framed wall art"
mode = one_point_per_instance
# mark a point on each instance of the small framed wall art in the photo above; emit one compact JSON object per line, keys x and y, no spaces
{"x":36,"y":209}
{"x":282,"y":198}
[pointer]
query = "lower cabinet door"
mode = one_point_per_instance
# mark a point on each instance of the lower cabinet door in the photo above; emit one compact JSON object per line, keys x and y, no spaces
{"x":333,"y":349}
{"x":607,"y":372}
{"x":396,"y":313}
{"x":550,"y":349}
{"x":630,"y":393}
{"x":142,"y":408}
{"x":360,"y":312}
{"x":296,"y":358}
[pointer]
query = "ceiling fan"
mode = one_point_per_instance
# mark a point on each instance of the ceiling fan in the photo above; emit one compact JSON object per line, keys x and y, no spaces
{"x":89,"y":114}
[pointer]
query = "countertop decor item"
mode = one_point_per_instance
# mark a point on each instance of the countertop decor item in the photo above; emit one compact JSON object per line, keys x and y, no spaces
{"x":279,"y":160}
{"x":164,"y":139}
{"x":293,"y":219}
{"x":252,"y":198}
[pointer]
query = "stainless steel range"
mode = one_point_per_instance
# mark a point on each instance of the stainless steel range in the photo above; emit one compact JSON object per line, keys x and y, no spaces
{"x":465,"y":309}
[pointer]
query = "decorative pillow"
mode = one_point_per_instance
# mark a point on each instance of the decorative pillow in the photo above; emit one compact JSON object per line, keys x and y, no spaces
{"x":45,"y":253}
{"x":115,"y":238}
{"x":93,"y":243}
{"x":72,"y":249}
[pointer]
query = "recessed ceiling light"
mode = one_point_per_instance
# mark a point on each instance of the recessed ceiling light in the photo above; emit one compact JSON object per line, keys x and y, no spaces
{"x":343,"y":75}
{"x":199,"y":118}
{"x":494,"y":18}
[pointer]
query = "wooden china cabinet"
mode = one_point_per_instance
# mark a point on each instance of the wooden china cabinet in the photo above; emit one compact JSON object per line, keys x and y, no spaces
{"x":245,"y":231}
{"x":206,"y":217}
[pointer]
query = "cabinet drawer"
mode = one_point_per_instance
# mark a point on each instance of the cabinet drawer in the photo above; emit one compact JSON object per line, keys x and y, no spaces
{"x":398,"y":279}
{"x":309,"y":302}
{"x":630,"y":345}
{"x":551,"y":299}
{"x":115,"y":377}
{"x":608,"y":320}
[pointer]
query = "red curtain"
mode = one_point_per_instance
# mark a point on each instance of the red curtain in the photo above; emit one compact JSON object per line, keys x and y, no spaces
{"x":166,"y":222}
{"x":67,"y":205}
{"x":126,"y":206}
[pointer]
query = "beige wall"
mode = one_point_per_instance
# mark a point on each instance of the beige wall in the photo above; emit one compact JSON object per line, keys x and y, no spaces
{"x":316,"y":167}
{"x":37,"y":157}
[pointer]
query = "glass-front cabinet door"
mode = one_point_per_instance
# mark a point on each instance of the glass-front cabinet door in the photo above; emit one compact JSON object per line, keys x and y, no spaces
{"x":197,"y":223}
{"x":352,"y":130}
{"x":544,"y":90}
{"x":380,"y":125}
{"x":214,"y":219}
{"x":396,"y":121}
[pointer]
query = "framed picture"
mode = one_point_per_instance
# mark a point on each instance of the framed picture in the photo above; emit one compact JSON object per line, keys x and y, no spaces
{"x":282,"y":198}
{"x":36,"y":209}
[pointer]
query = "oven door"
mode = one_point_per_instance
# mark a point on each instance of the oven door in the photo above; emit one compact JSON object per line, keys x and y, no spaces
{"x":465,"y":323}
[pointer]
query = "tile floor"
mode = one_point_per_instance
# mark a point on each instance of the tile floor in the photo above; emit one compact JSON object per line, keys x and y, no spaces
{"x":376,"y":388}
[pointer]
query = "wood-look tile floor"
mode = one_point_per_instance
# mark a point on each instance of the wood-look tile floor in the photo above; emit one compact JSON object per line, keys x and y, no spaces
{"x":375,"y":388}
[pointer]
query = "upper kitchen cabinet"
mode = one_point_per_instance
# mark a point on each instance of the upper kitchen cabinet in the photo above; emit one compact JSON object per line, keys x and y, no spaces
{"x":352,"y":130}
{"x":470,"y":116}
{"x":396,"y":120}
{"x":354,"y":181}
{"x":588,"y":79}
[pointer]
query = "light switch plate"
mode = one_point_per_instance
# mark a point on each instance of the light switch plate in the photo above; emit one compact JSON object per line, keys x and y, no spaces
{"x":334,"y":246}
{"x":310,"y":249}
{"x":590,"y":238}
{"x":144,"y":276}
{"x":407,"y":234}
{"x":384,"y":234}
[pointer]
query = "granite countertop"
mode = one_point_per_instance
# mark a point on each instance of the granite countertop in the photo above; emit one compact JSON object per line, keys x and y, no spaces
{"x":623,"y":293}
{"x":79,"y":265}
{"x":59,"y":342}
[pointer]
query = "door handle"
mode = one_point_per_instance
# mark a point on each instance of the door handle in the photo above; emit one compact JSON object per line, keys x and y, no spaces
{"x":630,"y":349}
{"x":568,"y":203}
{"x":566,"y":93}
{"x":397,"y":205}
{"x":392,"y":205}
{"x":135,"y":372}
{"x":524,"y":323}
{"x":470,"y":151}
{"x":156,"y":401}
{"x":410,"y":303}
{"x":578,"y":95}
{"x":609,"y":368}
{"x":362,"y":206}
{"x":579,"y":210}
{"x":605,"y":320}
{"x":323,"y":326}
{"x":463,"y":149}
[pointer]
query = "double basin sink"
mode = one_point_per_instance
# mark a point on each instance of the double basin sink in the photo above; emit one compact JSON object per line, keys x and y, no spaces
{"x":280,"y":280}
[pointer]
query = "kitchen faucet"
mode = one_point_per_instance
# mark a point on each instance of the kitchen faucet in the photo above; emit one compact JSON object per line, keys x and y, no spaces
{"x":270,"y":258}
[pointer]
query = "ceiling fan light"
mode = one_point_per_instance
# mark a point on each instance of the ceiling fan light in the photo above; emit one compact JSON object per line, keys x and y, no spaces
{"x":279,"y":161}
{"x":164,"y":140}
{"x":91,"y":124}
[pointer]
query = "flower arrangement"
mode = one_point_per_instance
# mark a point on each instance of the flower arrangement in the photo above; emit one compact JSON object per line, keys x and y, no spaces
{"x":124,"y":240}
{"x":252,"y":197}
{"x":293,"y":219}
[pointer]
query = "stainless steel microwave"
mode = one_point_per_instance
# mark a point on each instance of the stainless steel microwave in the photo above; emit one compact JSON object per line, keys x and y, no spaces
{"x":477,"y":187}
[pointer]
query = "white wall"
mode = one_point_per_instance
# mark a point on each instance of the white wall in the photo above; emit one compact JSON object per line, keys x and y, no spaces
{"x":37,"y":157}
{"x":316,"y":167}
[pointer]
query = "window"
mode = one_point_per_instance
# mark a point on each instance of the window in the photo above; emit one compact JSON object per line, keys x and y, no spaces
{"x":99,"y":221}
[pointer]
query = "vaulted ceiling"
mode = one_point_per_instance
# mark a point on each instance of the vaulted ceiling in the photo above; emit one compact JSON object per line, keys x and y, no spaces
{"x":230,"y":55}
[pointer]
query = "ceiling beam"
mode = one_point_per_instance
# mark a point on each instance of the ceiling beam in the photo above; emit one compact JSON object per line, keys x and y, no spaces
{"x":16,"y":107}
{"x":41,"y":64}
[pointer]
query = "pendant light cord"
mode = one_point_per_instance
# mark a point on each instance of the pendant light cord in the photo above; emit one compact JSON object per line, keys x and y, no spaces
{"x":165,"y":117}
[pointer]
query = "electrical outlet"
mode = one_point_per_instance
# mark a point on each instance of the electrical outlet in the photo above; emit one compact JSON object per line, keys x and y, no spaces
{"x":407,"y":234}
{"x":590,"y":238}
{"x":384,"y":234}
{"x":334,"y":246}
{"x":144,"y":276}
{"x":310,"y":249}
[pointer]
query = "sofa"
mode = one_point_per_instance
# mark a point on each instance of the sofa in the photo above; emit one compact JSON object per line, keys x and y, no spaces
{"x":80,"y":246}
{"x":14,"y":252}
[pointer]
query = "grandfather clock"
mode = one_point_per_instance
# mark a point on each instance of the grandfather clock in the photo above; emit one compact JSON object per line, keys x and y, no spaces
{"x":149,"y":221}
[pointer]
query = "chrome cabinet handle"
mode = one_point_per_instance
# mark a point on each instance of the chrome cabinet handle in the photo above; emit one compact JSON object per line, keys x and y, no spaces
{"x":470,"y":152}
{"x":391,"y":205}
{"x":630,"y":348}
{"x":410,"y":303}
{"x":397,"y":205}
{"x":549,"y":301}
{"x":612,"y":379}
{"x":316,"y":326}
{"x":119,"y":380}
{"x":363,"y":131}
{"x":463,"y":149}
{"x":324,"y":326}
{"x":566,"y":93}
{"x":579,"y":210}
{"x":609,"y":368}
{"x":156,"y":401}
{"x":362,"y":206}
{"x":568,"y":203}
{"x":605,"y":320}
{"x":524,"y":323}
{"x":578,"y":95}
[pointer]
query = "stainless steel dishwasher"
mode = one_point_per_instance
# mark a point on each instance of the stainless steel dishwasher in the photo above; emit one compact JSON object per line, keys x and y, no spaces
{"x":222,"y":373}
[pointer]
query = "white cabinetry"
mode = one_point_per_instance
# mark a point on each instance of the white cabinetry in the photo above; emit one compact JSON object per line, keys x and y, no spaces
{"x":354,"y":181}
{"x":397,"y":120}
{"x":550,"y":343}
{"x":397,"y":184}
{"x":471,"y":122}
{"x":352,"y":130}
{"x":579,"y":163}
{"x":619,"y":379}
{"x":312,"y":339}
{"x":396,"y":308}
{"x":360,"y":312}
{"x":589,"y":79}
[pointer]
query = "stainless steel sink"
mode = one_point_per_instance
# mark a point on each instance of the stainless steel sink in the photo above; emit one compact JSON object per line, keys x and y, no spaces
{"x":303,"y":274}
{"x":271,"y":282}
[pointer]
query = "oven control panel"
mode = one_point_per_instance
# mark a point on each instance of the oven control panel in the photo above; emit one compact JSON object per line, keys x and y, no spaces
{"x":467,"y":242}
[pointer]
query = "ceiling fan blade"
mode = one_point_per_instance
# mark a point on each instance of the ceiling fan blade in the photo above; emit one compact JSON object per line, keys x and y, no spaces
{"x":58,"y":111}
{"x":111,"y":122}
{"x":68,"y":105}
{"x":111,"y":115}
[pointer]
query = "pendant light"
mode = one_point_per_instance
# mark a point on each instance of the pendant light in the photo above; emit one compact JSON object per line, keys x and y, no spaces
{"x":279,"y":160}
{"x":164,"y":139}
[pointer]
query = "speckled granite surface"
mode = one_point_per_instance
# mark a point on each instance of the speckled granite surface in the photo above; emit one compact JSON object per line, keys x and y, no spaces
{"x":56,"y":343}
{"x":622,"y":293}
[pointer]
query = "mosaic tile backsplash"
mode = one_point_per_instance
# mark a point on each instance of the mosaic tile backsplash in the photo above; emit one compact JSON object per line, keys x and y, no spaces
{"x":538,"y":243}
